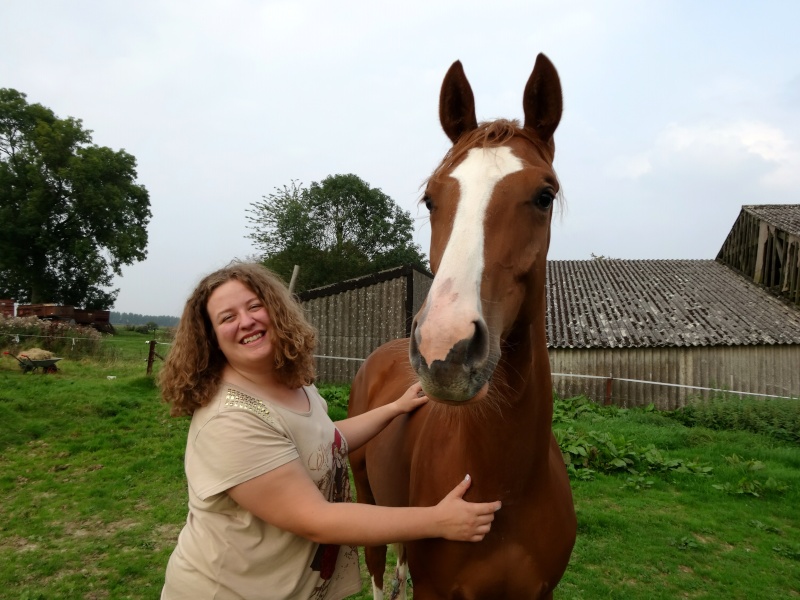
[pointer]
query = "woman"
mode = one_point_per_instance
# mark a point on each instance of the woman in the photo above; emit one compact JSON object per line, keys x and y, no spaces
{"x":269,"y":511}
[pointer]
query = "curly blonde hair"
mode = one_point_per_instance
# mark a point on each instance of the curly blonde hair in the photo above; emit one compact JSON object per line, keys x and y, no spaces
{"x":193,"y":369}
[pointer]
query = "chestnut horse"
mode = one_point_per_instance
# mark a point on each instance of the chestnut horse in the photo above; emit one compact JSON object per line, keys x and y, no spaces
{"x":478,"y":347}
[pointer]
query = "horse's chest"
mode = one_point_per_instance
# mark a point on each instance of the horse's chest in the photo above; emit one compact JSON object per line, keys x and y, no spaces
{"x":445,"y":452}
{"x":441,"y":571}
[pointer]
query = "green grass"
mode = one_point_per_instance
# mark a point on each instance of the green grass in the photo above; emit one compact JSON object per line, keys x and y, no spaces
{"x":93,"y":495}
{"x":681,"y":536}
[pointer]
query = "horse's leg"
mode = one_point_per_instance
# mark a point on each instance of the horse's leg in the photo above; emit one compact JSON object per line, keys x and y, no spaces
{"x":400,"y":579}
{"x":375,"y":557}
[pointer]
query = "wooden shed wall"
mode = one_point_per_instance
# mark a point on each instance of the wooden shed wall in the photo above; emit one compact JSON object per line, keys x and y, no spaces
{"x":351,"y":324}
{"x":778,"y":265}
{"x":773,"y":370}
{"x":740,"y":249}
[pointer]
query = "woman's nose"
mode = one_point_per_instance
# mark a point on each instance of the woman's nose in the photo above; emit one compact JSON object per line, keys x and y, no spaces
{"x":246,"y":319}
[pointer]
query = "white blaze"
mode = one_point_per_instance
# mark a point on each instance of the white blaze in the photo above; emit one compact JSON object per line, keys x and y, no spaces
{"x":454,"y":299}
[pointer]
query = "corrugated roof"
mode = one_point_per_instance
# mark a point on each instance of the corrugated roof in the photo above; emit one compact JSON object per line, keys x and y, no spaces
{"x":359,"y":282}
{"x":782,"y":216}
{"x":644,"y":303}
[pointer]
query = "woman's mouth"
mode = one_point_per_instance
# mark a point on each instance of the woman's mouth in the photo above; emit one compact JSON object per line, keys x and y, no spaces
{"x":253,"y":338}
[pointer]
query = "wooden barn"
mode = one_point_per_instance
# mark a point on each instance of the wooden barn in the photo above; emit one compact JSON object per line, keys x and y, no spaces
{"x":356,"y":316}
{"x":764,"y":246}
{"x":614,"y":325}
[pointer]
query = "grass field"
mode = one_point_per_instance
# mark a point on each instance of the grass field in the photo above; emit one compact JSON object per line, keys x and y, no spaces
{"x":92,"y":494}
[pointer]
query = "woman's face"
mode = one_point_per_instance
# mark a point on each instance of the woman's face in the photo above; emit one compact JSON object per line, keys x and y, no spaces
{"x":242,"y":326}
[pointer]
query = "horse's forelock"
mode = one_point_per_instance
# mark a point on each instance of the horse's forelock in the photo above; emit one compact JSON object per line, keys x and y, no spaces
{"x":490,"y":134}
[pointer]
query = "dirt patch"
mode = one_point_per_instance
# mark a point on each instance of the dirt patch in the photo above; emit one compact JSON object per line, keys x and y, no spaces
{"x":96,"y":528}
{"x":19,"y":544}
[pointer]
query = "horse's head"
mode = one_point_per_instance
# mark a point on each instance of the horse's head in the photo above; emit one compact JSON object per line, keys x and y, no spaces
{"x":490,"y":203}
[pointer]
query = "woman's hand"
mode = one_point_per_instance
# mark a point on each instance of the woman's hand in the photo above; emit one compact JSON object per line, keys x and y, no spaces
{"x":463,"y":521}
{"x":360,"y":429}
{"x":411,"y":399}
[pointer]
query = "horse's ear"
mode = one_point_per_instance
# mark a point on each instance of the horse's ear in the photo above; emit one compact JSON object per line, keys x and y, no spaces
{"x":542,"y":99}
{"x":456,"y":103}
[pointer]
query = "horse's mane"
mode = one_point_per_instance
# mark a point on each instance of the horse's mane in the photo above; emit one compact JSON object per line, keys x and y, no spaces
{"x":491,"y":134}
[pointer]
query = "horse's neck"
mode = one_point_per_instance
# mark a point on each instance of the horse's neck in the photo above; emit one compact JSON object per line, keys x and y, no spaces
{"x":525,"y":364}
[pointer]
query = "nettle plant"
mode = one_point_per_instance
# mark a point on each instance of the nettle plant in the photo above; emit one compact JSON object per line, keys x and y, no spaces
{"x":591,"y":452}
{"x":748,"y":483}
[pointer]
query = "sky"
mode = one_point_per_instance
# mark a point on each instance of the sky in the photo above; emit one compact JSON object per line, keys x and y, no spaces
{"x":676,"y":113}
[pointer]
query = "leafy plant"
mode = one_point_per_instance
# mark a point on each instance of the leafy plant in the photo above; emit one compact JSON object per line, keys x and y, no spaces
{"x":776,"y":417}
{"x":686,"y":543}
{"x":762,"y":527}
{"x":748,"y":485}
{"x":604,"y":452}
{"x":753,"y":487}
{"x":638,"y":482}
{"x":337,"y":397}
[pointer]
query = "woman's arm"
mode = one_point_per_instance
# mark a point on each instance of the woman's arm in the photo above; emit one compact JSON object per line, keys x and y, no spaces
{"x":362,"y":428}
{"x":288,"y":499}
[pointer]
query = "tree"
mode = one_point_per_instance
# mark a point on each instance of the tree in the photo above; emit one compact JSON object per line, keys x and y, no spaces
{"x":71,"y":213}
{"x":335,"y":230}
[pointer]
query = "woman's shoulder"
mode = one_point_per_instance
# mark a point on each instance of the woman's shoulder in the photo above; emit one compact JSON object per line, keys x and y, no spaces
{"x":231,"y":401}
{"x":234,"y":399}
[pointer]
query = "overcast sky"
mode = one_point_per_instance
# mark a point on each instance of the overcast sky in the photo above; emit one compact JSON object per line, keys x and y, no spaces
{"x":676,"y":113}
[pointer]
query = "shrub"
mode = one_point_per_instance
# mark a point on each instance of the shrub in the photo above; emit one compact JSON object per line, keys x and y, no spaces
{"x":568,"y":409}
{"x":63,"y":339}
{"x":337,"y":397}
{"x":776,"y":417}
{"x":596,"y":451}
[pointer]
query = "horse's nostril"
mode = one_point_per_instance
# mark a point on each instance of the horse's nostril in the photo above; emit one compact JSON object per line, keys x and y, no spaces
{"x":415,"y":334}
{"x":478,"y":350}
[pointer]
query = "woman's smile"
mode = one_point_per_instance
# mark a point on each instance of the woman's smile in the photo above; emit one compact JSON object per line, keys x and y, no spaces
{"x":252,"y":338}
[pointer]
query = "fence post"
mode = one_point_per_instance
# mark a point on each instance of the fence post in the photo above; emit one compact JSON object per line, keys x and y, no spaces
{"x":293,"y":281}
{"x":151,"y":356}
{"x":608,"y":390}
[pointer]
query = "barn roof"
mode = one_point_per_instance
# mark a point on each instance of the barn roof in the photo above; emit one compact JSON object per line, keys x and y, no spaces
{"x":360,"y":282}
{"x":645,"y":303}
{"x":782,"y":216}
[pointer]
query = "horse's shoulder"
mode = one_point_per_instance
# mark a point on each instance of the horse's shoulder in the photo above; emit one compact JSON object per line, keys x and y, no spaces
{"x":382,"y":377}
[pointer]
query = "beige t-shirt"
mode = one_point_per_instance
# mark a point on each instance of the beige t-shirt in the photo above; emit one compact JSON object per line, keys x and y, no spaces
{"x":224,"y":551}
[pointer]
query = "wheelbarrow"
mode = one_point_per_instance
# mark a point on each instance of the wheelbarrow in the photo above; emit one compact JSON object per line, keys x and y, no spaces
{"x":28,"y":365}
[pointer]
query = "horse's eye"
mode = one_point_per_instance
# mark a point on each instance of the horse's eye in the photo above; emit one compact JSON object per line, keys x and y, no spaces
{"x":428,"y":202}
{"x":545,"y":199}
